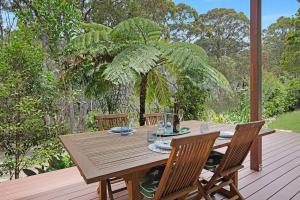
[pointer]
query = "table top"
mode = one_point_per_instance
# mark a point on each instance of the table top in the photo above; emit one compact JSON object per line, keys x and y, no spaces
{"x":101,"y":155}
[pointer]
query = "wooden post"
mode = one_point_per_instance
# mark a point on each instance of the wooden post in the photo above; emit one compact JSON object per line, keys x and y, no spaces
{"x":255,"y":79}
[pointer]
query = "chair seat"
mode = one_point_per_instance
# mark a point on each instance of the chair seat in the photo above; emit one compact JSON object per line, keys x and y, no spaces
{"x":150,"y":181}
{"x":213,"y":161}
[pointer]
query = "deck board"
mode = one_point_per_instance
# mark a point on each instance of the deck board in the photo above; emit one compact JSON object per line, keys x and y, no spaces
{"x":279,"y":178}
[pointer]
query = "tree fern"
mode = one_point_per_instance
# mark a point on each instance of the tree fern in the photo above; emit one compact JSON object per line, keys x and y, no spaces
{"x":137,"y":30}
{"x":130,"y":63}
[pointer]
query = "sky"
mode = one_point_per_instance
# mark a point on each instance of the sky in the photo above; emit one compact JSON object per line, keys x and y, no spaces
{"x":271,"y":9}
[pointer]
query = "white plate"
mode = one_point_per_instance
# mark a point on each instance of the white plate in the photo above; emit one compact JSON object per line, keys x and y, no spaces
{"x":163,"y":144}
{"x":226,"y":134}
{"x":154,"y":148}
{"x":122,"y":133}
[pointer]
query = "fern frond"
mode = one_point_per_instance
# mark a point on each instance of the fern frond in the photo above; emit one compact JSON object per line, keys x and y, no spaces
{"x":193,"y":61}
{"x":91,"y":38}
{"x":130,"y":63}
{"x":185,"y":55}
{"x":97,"y":86}
{"x":137,"y":30}
{"x":94,"y":27}
{"x":158,"y":88}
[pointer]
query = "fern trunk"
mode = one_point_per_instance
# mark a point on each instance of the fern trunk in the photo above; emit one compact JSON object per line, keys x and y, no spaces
{"x":143,"y":93}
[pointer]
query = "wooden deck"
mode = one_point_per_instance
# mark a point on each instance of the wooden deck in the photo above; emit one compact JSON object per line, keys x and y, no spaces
{"x":279,"y":179}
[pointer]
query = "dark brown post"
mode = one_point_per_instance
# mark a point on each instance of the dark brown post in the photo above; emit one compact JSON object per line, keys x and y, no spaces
{"x":255,"y":78}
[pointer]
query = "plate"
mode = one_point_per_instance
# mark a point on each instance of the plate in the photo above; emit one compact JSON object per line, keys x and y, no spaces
{"x":183,"y":130}
{"x":163,"y":144}
{"x":226,"y":134}
{"x":121,"y":130}
{"x":154,"y":148}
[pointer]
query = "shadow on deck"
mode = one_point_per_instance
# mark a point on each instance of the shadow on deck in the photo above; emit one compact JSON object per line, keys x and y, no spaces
{"x":279,"y":179}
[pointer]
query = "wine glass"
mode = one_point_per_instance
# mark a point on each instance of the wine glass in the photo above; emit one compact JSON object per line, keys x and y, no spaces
{"x":180,"y":117}
{"x":160,"y":128}
{"x":180,"y":114}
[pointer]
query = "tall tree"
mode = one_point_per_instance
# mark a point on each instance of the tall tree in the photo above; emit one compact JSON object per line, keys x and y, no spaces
{"x":274,"y":39}
{"x":112,"y":12}
{"x":291,"y":55}
{"x":181,"y":24}
{"x":225,"y":32}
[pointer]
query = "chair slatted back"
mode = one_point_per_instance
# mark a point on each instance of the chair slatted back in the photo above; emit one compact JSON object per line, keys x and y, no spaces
{"x":240,"y":145}
{"x":152,"y":118}
{"x":185,"y":163}
{"x":106,"y":122}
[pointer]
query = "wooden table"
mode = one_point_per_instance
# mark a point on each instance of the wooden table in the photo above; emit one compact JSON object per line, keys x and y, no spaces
{"x":102,"y":155}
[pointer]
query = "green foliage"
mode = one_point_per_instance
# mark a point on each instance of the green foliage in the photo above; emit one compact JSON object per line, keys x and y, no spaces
{"x":223,"y":32}
{"x":278,"y":96}
{"x":192,"y":60}
{"x":240,"y":113}
{"x":58,"y":23}
{"x":274,"y":39}
{"x":54,"y":163}
{"x":131,"y":62}
{"x":112,"y":12}
{"x":291,"y":55}
{"x":90,"y":121}
{"x":181,"y":25}
{"x":158,"y":88}
{"x":136,"y":30}
{"x":191,"y":99}
{"x":26,"y":97}
{"x":141,"y":54}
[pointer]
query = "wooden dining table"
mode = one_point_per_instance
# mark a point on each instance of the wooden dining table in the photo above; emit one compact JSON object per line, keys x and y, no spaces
{"x":102,"y":155}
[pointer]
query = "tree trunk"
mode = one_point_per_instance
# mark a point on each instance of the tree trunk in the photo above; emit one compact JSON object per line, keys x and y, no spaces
{"x":82,"y":113}
{"x":143,"y":94}
{"x":17,"y":157}
{"x":44,"y":40}
{"x":71,"y":111}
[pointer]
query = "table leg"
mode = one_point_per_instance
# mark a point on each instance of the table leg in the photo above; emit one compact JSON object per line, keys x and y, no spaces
{"x":256,"y":154}
{"x":133,"y":186}
{"x":102,"y":190}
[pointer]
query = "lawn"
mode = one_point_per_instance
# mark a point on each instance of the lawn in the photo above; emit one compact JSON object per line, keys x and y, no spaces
{"x":287,"y":121}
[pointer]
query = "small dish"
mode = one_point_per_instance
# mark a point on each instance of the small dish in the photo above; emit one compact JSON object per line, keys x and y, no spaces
{"x":163,"y":144}
{"x":121,"y":131}
{"x":226,"y":134}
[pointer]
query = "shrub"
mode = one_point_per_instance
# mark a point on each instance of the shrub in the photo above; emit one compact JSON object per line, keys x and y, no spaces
{"x":191,"y":99}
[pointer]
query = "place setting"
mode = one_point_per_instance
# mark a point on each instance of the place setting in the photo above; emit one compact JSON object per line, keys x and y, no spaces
{"x":124,"y":130}
{"x":159,"y":137}
{"x":224,"y":134}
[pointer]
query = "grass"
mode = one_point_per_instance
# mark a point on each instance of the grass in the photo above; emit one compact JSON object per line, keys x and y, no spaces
{"x":287,"y":121}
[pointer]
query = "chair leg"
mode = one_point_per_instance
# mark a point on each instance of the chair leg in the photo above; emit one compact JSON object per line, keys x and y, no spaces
{"x":202,"y":193}
{"x":236,"y":191}
{"x":110,"y":192}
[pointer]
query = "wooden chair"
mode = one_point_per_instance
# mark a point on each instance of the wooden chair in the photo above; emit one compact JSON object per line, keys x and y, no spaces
{"x":152,"y":118}
{"x":106,"y":122}
{"x":185,"y":163}
{"x":227,"y":169}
